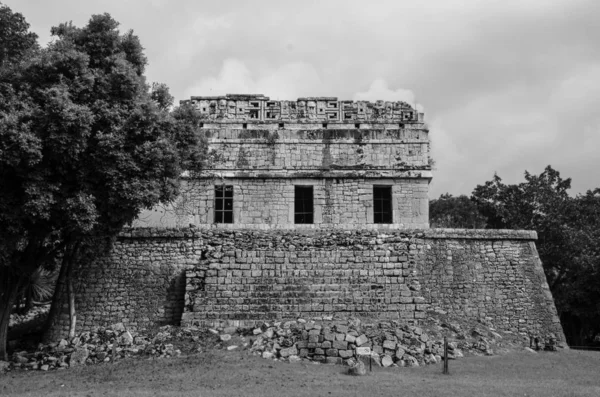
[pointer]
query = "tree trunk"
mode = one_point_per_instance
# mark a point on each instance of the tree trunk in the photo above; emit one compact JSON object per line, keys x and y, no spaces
{"x":8,"y":297}
{"x":57,"y":300}
{"x":63,"y":284}
{"x":71,"y":296}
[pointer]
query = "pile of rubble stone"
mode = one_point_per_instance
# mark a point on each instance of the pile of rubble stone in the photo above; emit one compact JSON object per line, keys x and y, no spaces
{"x":322,"y":341}
{"x":385,"y":344}
{"x":382,"y":343}
{"x":104,"y":345}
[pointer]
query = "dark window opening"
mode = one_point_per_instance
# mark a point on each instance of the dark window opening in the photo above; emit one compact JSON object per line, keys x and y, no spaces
{"x":223,"y":204}
{"x":324,"y":125}
{"x":201,"y":125}
{"x":347,"y":116}
{"x":401,"y":125}
{"x":303,"y":204}
{"x":382,"y":204}
{"x":357,"y":126}
{"x":281,"y":125}
{"x":245,"y":126}
{"x":253,"y":114}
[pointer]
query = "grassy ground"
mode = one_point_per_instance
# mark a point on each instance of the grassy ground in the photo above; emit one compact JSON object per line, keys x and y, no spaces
{"x":220,"y":373}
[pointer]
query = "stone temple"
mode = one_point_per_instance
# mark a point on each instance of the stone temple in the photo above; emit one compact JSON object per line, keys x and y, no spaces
{"x":316,"y":162}
{"x":313,"y":208}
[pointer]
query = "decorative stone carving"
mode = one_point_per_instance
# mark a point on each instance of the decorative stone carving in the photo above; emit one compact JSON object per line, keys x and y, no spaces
{"x":259,"y":108}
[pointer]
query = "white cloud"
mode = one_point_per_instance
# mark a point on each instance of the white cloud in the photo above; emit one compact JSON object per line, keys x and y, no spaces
{"x":379,"y":90}
{"x":204,"y":23}
{"x":287,"y":81}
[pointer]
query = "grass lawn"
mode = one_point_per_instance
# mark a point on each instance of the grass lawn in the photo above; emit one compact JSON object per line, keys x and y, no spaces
{"x":221,"y":373}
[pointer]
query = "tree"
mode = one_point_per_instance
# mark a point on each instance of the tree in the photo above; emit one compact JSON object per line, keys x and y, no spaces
{"x":541,"y":203}
{"x":84,"y":146}
{"x":577,"y":292}
{"x":568,"y":235}
{"x":455,"y":212}
{"x":15,"y":39}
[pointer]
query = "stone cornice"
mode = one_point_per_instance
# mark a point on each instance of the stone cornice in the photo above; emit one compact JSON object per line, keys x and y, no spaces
{"x":327,"y":237}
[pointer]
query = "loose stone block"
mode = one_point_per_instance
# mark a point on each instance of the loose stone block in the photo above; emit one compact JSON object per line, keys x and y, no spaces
{"x":388,"y":344}
{"x":340,"y":345}
{"x":361,"y":340}
{"x":331,"y":352}
{"x":345,"y":353}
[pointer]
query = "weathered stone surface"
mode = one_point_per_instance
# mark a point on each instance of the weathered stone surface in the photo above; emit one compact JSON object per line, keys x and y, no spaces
{"x":249,"y":271}
{"x":333,"y":360}
{"x":386,"y":361}
{"x":388,"y":344}
{"x":346,"y":353}
{"x":225,"y":337}
{"x":340,"y":345}
{"x":230,"y":330}
{"x":62,"y":344}
{"x":358,"y":369}
{"x":118,"y":327}
{"x":79,"y":356}
{"x":291,"y":351}
{"x":400,"y":352}
{"x":410,"y":361}
{"x":361,"y":351}
{"x":361,"y":340}
{"x":126,"y":338}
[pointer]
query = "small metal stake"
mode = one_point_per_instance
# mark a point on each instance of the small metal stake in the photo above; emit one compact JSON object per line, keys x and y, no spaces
{"x":446,"y":356}
{"x":371,"y":362}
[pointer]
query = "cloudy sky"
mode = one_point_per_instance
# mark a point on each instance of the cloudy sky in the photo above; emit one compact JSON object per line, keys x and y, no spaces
{"x":506,"y":86}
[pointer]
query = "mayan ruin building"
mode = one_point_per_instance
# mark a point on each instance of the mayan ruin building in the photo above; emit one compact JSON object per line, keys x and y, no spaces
{"x":307,"y":209}
{"x":311,"y":163}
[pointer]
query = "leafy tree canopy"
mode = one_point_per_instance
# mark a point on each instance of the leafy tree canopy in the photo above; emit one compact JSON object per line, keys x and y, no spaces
{"x":85,"y":143}
{"x":15,"y":39}
{"x":455,"y":212}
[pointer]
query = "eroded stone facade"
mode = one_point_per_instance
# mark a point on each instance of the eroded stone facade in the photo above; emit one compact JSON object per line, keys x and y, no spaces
{"x":234,"y":277}
{"x":262,"y":149}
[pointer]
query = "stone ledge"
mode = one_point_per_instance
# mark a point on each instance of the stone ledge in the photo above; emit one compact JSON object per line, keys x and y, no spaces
{"x":339,"y":236}
{"x":342,"y":172}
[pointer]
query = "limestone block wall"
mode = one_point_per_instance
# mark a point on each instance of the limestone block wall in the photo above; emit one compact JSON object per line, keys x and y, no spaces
{"x":207,"y":277}
{"x":285,"y":151}
{"x":488,"y":274}
{"x":269,"y":203}
{"x":141,"y":284}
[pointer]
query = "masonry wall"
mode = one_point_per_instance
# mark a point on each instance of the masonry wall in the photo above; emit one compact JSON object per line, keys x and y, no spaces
{"x":286,"y":151}
{"x":206,"y":277}
{"x":269,"y":203}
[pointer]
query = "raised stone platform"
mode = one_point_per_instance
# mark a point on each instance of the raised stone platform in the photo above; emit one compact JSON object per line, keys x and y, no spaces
{"x":213,"y":277}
